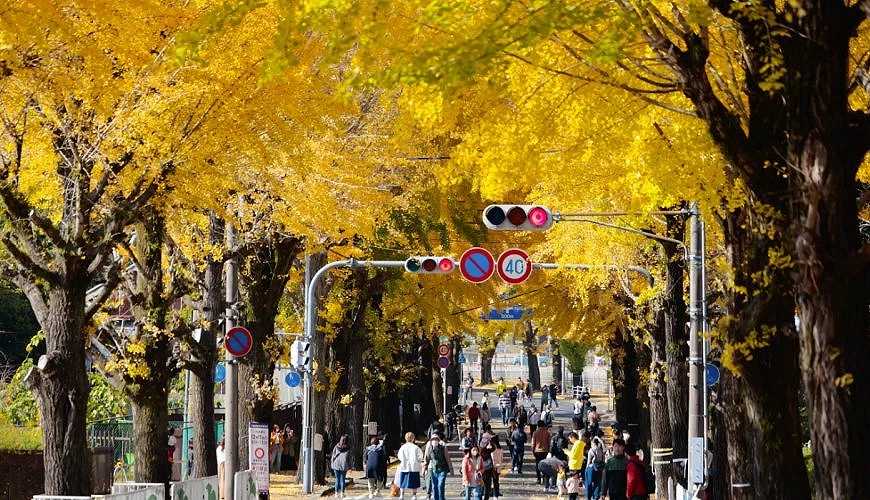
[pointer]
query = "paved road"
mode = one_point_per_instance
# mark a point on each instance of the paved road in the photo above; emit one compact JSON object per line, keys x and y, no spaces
{"x":512,"y":485}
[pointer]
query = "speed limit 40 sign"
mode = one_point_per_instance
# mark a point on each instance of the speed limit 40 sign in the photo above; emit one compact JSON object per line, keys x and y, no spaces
{"x":514,"y":266}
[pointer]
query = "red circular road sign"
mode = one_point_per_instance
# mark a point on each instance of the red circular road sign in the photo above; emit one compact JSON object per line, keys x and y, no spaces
{"x":476,"y":265}
{"x":239,"y":341}
{"x":259,"y":452}
{"x":443,"y":350}
{"x":443,"y":362}
{"x":514,"y":266}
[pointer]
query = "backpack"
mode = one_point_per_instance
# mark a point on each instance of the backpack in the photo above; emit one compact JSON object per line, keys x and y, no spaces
{"x":439,"y":458}
{"x":598,"y":455}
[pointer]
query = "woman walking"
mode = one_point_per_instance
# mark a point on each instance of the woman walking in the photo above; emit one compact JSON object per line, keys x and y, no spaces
{"x":410,"y":464}
{"x":472,"y":473}
{"x":340,"y":465}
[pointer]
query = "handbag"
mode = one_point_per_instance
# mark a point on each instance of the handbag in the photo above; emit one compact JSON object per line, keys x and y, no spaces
{"x":394,"y":490}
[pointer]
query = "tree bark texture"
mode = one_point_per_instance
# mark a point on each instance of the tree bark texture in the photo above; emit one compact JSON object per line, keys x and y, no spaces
{"x":201,"y":404}
{"x":557,"y":364}
{"x":486,"y":366}
{"x":660,"y":425}
{"x":263,"y":276}
{"x":530,"y":343}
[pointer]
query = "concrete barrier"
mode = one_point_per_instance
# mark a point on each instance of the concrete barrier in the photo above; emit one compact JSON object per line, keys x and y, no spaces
{"x":205,"y":488}
{"x":245,"y":487}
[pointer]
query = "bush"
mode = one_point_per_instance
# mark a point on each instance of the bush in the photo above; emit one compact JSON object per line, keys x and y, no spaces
{"x":17,"y":438}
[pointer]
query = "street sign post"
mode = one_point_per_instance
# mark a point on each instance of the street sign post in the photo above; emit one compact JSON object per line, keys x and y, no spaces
{"x":258,"y":455}
{"x":711,"y":373}
{"x":461,"y":358}
{"x":510,"y":314}
{"x":443,"y":362}
{"x":293,"y":379}
{"x":514,"y":266}
{"x":476,"y":265}
{"x":443,"y":350}
{"x":239,"y":341}
{"x":220,"y":373}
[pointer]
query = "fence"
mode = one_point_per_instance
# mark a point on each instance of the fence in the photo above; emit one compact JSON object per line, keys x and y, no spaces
{"x":245,"y":487}
{"x":116,"y":434}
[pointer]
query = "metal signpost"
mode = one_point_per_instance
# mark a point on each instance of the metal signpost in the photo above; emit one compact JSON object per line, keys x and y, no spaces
{"x":231,"y":423}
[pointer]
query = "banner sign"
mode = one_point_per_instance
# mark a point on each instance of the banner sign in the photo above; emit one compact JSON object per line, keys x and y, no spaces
{"x":258,"y":455}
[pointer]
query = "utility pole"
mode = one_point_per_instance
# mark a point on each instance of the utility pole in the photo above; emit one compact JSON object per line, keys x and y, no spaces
{"x":231,"y":396}
{"x":697,"y":445}
{"x":307,"y":391}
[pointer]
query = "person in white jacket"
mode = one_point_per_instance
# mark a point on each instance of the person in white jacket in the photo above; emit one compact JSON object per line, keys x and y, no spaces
{"x":410,"y":464}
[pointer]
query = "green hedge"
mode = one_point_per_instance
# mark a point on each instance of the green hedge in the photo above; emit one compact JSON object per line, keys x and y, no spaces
{"x":17,"y":438}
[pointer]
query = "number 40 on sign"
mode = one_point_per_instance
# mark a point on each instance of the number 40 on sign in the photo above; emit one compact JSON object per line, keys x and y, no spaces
{"x":514,"y":266}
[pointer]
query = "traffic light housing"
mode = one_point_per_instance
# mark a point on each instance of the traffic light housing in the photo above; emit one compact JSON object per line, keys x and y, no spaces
{"x":517,"y":217}
{"x":301,"y":354}
{"x":430,"y":264}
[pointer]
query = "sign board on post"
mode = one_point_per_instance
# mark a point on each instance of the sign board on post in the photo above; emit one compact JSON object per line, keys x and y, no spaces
{"x":476,"y":265}
{"x":258,"y":455}
{"x":461,"y":358}
{"x":696,"y":460}
{"x":514,"y":266}
{"x":373,"y":429}
{"x":293,"y":379}
{"x":711,"y":374}
{"x":317,"y":442}
{"x":443,"y":350}
{"x":239,"y":341}
{"x":220,"y":373}
{"x":443,"y":362}
{"x":511,"y":314}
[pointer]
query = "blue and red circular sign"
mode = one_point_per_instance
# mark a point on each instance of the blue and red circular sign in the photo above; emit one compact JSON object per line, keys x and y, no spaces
{"x":476,"y":265}
{"x":514,"y":266}
{"x":443,"y":362}
{"x":239,"y":341}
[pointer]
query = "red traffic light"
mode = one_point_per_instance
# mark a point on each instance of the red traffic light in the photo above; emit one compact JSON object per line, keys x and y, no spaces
{"x":429,"y":265}
{"x":539,"y":216}
{"x":446,"y":265}
{"x":517,"y":217}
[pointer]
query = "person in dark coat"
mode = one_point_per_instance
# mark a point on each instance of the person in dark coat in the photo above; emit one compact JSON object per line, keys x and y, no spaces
{"x":375,"y":459}
{"x":549,"y":469}
{"x":518,"y":438}
{"x":614,"y":482}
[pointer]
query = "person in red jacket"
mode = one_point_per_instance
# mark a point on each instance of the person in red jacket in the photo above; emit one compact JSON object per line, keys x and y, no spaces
{"x":473,"y":416}
{"x":635,"y":473}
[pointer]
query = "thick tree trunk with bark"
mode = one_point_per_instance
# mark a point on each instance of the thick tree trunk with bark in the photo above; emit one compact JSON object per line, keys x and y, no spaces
{"x":557,"y":364}
{"x":626,"y":379}
{"x":150,"y":426}
{"x":762,"y":341}
{"x":530,"y":343}
{"x":62,"y":389}
{"x":660,"y":425}
{"x":828,"y":144}
{"x":453,"y":375}
{"x":486,"y":366}
{"x":201,"y":403}
{"x":263,"y":276}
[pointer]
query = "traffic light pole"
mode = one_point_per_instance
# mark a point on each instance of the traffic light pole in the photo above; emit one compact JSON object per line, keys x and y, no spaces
{"x":310,"y":328}
{"x":231,"y":424}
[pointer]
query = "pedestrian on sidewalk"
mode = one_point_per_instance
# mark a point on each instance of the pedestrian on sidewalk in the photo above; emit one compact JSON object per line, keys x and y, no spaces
{"x":522,"y":418}
{"x":340,"y":465}
{"x":594,"y":469}
{"x":504,"y":405}
{"x":540,"y":448}
{"x":484,"y":399}
{"x":437,"y":463}
{"x":485,"y":415}
{"x":546,"y":417}
{"x":549,"y":469}
{"x":290,"y":449}
{"x":513,"y":394}
{"x":613,"y":480}
{"x":519,"y":441}
{"x":467,"y":440}
{"x":594,"y":421}
{"x":452,"y":418}
{"x":512,"y":426}
{"x":410,"y":464}
{"x":534,"y":419}
{"x":472,"y":473}
{"x":473,"y":416}
{"x":572,"y":486}
{"x":469,"y":384}
{"x":635,"y":476}
{"x":575,"y":456}
{"x":553,"y":393}
{"x":497,"y":463}
{"x":577,"y":417}
{"x":559,"y":444}
{"x":276,"y":440}
{"x":500,"y":388}
{"x":545,"y":396}
{"x":437,"y":427}
{"x":374,"y":459}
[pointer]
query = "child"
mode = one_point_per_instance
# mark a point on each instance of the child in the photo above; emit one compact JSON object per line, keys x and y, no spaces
{"x":572,"y":485}
{"x":560,"y":482}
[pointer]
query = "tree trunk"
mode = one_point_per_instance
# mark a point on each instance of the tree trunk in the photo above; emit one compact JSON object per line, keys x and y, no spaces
{"x":437,"y":380}
{"x":762,"y":343}
{"x":201,"y":403}
{"x":150,"y":426}
{"x":557,"y":364}
{"x":676,"y":346}
{"x":263,"y":276}
{"x":62,"y":389}
{"x":530,"y":342}
{"x":626,"y":380}
{"x":453,"y":375}
{"x":718,"y":481}
{"x":833,"y":294}
{"x":660,"y":425}
{"x":486,"y":366}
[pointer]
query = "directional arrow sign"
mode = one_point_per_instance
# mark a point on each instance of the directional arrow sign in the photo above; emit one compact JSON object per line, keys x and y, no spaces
{"x":514,"y":266}
{"x":293,"y":379}
{"x":476,"y":265}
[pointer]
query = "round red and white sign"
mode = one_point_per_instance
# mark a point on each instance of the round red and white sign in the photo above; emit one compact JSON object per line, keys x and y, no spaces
{"x":514,"y":266}
{"x":259,"y":452}
{"x":443,"y":350}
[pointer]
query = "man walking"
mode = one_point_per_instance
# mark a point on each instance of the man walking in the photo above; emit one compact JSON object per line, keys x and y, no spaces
{"x":518,"y":438}
{"x":436,"y":461}
{"x":614,"y":481}
{"x":553,"y":399}
{"x":540,"y":447}
{"x":504,"y":404}
{"x":469,"y":383}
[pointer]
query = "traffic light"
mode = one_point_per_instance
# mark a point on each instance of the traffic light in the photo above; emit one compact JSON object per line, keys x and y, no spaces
{"x":517,"y":217}
{"x":430,"y":265}
{"x":301,"y":354}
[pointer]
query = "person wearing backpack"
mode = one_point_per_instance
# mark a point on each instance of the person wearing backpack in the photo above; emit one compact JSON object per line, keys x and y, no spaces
{"x":594,"y":469}
{"x":436,"y":461}
{"x":374,"y":459}
{"x":635,"y":475}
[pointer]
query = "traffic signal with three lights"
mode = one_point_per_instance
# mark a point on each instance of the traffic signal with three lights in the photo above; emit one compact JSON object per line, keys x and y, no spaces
{"x":430,"y":265}
{"x":517,"y":217}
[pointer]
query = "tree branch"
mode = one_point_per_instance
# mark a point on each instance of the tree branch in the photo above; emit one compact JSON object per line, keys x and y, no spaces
{"x":28,"y":264}
{"x":113,"y":277}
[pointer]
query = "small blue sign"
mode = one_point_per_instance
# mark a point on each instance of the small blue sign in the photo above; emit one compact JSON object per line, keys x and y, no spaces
{"x":461,"y":358}
{"x":220,"y":373}
{"x":293,"y":379}
{"x":511,"y":314}
{"x":711,"y":372}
